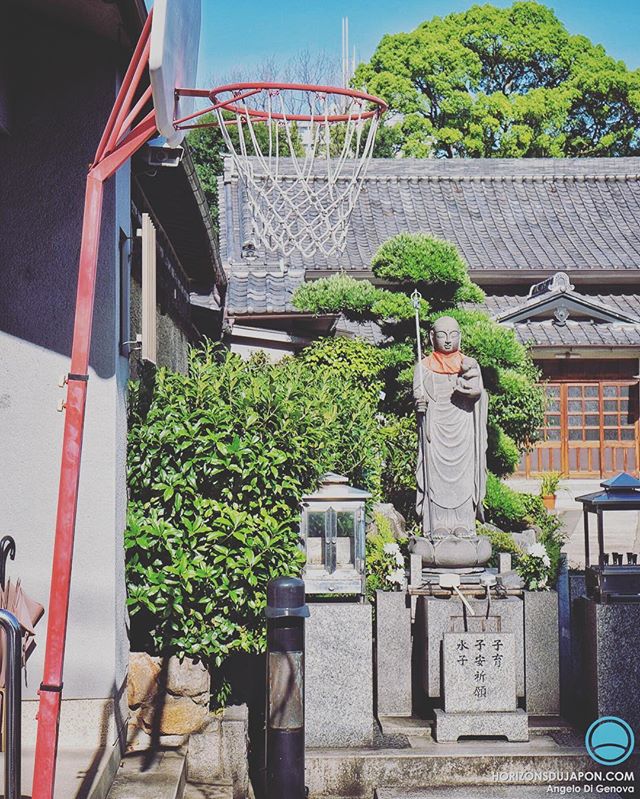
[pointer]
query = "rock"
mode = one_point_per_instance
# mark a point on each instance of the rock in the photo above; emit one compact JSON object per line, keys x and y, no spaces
{"x":187,"y":678}
{"x":525,"y":538}
{"x":511,"y":579}
{"x":235,"y":748}
{"x":142,"y":682}
{"x":491,"y":527}
{"x":179,"y":715}
{"x":205,"y":763}
{"x":395,"y":518}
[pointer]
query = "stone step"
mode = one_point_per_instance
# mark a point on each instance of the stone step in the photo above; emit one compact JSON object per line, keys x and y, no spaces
{"x":469,"y":792}
{"x":80,"y":773}
{"x":208,"y":791}
{"x":165,"y":778}
{"x":426,"y":764}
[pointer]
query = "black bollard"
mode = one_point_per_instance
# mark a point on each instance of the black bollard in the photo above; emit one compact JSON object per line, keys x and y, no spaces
{"x":286,"y":612}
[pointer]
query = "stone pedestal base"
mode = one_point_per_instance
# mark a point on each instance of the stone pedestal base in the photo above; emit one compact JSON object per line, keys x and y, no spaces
{"x":338,"y":675}
{"x":393,"y":654}
{"x":608,"y":641}
{"x":449,"y":727}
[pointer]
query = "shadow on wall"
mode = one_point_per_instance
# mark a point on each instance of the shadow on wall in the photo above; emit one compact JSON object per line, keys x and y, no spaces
{"x":61,"y":87}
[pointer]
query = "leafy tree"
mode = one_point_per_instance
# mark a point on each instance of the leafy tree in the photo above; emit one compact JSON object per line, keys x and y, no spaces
{"x":504,"y":82}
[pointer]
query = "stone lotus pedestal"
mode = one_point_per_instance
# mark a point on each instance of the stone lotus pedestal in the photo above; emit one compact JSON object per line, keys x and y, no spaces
{"x":453,"y":552}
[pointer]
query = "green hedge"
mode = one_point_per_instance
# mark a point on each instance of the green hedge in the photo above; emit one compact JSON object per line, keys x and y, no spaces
{"x":218,"y":461}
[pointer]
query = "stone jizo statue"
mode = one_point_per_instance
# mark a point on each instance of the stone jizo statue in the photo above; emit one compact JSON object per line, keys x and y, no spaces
{"x":452,"y":456}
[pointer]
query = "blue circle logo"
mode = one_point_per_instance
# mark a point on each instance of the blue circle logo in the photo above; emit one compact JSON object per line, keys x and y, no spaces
{"x":609,"y":741}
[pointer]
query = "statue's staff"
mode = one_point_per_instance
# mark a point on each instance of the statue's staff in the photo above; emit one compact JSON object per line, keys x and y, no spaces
{"x":422,"y":427}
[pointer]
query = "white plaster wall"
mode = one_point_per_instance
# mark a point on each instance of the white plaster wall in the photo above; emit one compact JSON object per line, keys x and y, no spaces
{"x":273,"y":352}
{"x":42,"y":174}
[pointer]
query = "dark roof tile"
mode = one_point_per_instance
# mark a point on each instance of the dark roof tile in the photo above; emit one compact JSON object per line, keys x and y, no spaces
{"x":506,"y":214}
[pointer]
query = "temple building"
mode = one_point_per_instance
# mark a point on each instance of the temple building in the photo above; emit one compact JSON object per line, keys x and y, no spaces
{"x":554,"y":243}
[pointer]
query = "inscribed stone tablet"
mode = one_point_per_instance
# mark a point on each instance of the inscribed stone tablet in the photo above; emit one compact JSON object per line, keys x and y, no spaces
{"x":479,"y":672}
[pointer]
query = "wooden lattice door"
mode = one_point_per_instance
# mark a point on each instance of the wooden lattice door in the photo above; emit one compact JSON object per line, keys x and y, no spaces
{"x":590,"y":429}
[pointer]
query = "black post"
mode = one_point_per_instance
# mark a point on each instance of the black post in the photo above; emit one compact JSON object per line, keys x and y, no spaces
{"x":286,"y":612}
{"x":13,"y":698}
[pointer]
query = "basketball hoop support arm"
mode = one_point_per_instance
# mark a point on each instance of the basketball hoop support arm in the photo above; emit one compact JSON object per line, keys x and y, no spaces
{"x":117,"y":145}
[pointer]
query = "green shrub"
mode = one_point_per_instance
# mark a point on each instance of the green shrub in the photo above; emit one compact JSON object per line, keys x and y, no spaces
{"x":503,"y":454}
{"x":400,"y":437}
{"x":218,"y":461}
{"x":504,"y":507}
{"x":516,"y":404}
{"x":501,"y":542}
{"x":359,"y":299}
{"x":196,"y":583}
{"x":385,"y":559}
{"x":514,"y":512}
{"x":434,"y":266}
{"x":352,"y":358}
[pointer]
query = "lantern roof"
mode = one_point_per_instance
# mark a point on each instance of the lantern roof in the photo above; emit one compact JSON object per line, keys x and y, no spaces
{"x":621,"y":492}
{"x":336,"y":487}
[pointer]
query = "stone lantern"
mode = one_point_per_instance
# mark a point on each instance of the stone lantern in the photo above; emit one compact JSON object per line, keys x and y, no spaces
{"x":333,"y":529}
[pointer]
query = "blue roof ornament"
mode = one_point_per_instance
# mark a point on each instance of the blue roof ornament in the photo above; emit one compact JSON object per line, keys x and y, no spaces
{"x":621,"y":482}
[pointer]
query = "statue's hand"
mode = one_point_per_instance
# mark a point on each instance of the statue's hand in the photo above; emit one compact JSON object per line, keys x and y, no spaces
{"x":463,"y":386}
{"x":421,"y":406}
{"x":471,"y":373}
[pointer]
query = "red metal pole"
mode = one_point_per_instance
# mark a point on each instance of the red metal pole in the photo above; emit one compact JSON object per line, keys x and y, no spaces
{"x":51,"y":687}
{"x":58,"y":610}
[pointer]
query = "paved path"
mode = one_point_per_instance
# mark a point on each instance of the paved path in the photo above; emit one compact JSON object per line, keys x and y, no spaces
{"x":469,"y":792}
{"x":621,"y":528}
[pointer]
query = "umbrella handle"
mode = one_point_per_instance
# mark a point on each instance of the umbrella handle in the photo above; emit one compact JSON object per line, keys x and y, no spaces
{"x":7,"y":550}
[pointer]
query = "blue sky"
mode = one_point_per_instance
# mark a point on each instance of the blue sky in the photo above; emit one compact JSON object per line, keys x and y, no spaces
{"x":242,"y":33}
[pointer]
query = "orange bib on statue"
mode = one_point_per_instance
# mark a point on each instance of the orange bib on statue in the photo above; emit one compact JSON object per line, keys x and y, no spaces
{"x":444,"y":363}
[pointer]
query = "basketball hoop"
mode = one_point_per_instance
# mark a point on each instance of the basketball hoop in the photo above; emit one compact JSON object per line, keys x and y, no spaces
{"x":301,"y":152}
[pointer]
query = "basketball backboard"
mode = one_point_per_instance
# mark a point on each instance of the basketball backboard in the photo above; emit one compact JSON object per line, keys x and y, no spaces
{"x":173,"y":61}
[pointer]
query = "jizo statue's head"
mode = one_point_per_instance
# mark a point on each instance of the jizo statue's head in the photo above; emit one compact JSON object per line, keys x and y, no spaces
{"x":445,"y":335}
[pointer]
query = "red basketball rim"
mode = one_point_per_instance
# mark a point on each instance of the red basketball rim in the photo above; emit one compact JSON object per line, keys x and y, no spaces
{"x":242,"y":91}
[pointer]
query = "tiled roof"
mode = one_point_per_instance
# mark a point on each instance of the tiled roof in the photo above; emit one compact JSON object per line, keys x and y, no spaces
{"x":368,"y":330}
{"x":624,"y":303}
{"x":547,"y":333}
{"x":573,"y":332}
{"x":261,"y":291}
{"x":504,"y":214}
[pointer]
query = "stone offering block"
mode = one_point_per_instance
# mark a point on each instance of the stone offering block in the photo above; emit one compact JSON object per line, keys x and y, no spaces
{"x":435,"y":617}
{"x":479,"y":672}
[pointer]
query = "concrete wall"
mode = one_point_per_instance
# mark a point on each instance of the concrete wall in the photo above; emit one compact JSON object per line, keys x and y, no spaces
{"x":172,"y":341}
{"x":67,"y":81}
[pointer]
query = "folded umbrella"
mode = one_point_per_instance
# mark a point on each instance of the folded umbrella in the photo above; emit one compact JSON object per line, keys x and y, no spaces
{"x":28,"y":612}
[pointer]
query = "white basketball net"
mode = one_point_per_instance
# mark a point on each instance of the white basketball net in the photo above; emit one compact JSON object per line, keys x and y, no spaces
{"x":302,"y":179}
